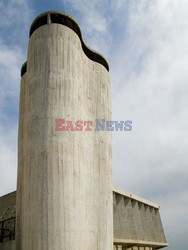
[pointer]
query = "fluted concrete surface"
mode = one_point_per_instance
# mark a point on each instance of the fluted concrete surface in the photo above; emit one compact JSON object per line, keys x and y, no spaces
{"x":64,"y":193}
{"x":136,"y":222}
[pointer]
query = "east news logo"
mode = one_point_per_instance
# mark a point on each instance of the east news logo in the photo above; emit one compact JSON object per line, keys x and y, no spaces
{"x":98,"y":125}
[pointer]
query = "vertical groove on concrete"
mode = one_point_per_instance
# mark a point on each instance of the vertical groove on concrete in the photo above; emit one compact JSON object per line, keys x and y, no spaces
{"x":136,"y":223}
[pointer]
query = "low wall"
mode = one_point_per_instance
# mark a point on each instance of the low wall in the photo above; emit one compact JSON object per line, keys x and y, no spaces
{"x":8,"y":206}
{"x":137,"y":222}
{"x":132,"y":248}
{"x":8,"y":245}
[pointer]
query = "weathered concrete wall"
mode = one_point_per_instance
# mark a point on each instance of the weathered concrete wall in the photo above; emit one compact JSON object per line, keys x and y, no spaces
{"x":136,"y":222}
{"x":8,"y":206}
{"x":9,"y":245}
{"x":7,"y":216}
{"x":64,"y":195}
{"x":132,"y":248}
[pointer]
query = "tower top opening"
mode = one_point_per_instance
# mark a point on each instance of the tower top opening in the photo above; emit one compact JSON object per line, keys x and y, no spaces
{"x":62,"y":18}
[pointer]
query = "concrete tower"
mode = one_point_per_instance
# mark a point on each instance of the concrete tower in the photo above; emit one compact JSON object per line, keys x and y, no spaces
{"x":64,"y":190}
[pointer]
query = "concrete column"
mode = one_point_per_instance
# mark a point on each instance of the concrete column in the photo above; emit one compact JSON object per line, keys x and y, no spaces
{"x":135,"y":248}
{"x":144,"y":221}
{"x":125,"y":248}
{"x":64,"y":192}
{"x":136,"y":206}
{"x":21,"y":197}
{"x":118,"y":247}
{"x":161,"y":235}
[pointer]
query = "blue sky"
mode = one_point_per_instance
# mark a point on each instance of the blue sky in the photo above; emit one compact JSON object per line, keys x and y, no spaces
{"x":146,"y":45}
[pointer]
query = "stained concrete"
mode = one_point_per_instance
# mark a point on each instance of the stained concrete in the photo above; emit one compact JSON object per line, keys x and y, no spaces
{"x":64,"y":193}
{"x":9,"y":245}
{"x":7,"y":206}
{"x":7,"y":217}
{"x":136,"y":222}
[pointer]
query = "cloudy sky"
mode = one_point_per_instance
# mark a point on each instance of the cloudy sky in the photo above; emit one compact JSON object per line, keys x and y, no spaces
{"x":146,"y":45}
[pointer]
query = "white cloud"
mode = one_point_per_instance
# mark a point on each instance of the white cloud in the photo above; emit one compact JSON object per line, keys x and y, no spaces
{"x":8,"y":160}
{"x":147,"y":45}
{"x":151,"y":89}
{"x":93,"y":21}
{"x":12,"y":12}
{"x":9,"y":88}
{"x":92,"y":13}
{"x":11,"y":58}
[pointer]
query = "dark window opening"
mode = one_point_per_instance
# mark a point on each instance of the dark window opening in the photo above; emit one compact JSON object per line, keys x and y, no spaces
{"x":38,"y":23}
{"x":24,"y":69}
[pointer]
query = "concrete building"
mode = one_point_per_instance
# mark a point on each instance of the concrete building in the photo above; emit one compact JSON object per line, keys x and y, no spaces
{"x":64,"y":190}
{"x":137,"y":223}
